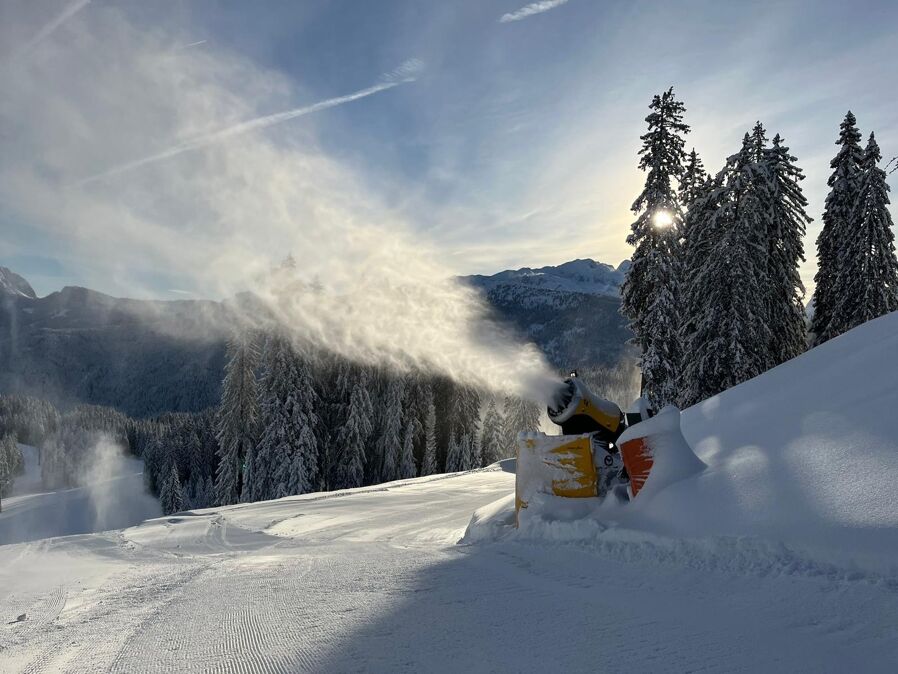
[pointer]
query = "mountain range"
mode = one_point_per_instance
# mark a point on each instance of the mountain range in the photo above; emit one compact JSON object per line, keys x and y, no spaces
{"x":145,"y":357}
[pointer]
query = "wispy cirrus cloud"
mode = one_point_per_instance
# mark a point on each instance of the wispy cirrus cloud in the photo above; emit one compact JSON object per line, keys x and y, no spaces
{"x":51,"y":26}
{"x":404,"y":74}
{"x":531,"y":10}
{"x":191,"y":45}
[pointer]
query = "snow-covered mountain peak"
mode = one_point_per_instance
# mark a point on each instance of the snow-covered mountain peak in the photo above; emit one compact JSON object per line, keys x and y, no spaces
{"x":584,"y":276}
{"x":13,"y":284}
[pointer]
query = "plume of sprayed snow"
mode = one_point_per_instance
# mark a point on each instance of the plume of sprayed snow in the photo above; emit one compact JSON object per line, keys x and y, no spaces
{"x":113,"y":485}
{"x":109,"y":493}
{"x":530,"y":10}
{"x":224,"y":198}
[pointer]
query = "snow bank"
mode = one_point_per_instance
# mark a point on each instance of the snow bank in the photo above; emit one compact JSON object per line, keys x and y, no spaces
{"x":802,"y":460}
{"x":673,"y":458}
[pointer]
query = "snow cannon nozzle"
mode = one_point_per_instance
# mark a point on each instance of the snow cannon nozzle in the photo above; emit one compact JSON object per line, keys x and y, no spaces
{"x":562,"y":396}
{"x":577,"y":410}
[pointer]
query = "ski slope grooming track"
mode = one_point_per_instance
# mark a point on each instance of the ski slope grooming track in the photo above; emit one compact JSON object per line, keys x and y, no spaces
{"x":374,"y":581}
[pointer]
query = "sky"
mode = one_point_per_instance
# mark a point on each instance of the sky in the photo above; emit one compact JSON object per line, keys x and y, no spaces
{"x":175,"y":149}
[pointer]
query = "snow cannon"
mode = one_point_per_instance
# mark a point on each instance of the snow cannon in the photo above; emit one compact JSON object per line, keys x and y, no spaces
{"x":602,"y":451}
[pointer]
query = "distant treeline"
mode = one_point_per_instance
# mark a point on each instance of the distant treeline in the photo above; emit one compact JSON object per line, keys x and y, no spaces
{"x":291,"y":422}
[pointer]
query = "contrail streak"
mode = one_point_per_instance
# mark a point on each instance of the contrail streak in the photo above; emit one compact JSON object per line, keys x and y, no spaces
{"x":244,"y":127}
{"x":530,"y":10}
{"x":51,"y":26}
{"x":192,"y":44}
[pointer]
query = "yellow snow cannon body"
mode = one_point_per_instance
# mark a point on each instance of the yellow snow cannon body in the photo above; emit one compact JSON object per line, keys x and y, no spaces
{"x":553,"y":464}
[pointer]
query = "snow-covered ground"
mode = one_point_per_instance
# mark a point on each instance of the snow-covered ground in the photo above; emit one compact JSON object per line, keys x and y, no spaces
{"x":780,"y":556}
{"x":374,"y":581}
{"x":113,"y":497}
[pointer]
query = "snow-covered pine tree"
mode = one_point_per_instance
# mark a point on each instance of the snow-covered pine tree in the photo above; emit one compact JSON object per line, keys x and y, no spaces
{"x":465,"y":412}
{"x":429,"y":463}
{"x":335,"y":403}
{"x":730,"y":342}
{"x":286,"y":456}
{"x":867,"y":284}
{"x":349,"y":457}
{"x":519,"y":416}
{"x":389,"y":440}
{"x":757,"y":202}
{"x":453,"y":455}
{"x":691,"y":183}
{"x":697,"y":245}
{"x":171,"y":497}
{"x":297,"y":467}
{"x":785,"y":251}
{"x":468,"y":456}
{"x":407,"y":467}
{"x":262,"y":463}
{"x":649,"y":294}
{"x":238,"y":417}
{"x":415,"y":412}
{"x":839,"y":226}
{"x":247,"y":493}
{"x":473,"y":454}
{"x":757,"y":143}
{"x":491,"y":435}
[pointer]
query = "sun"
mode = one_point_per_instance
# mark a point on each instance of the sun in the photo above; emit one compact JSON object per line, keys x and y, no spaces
{"x":662,"y":219}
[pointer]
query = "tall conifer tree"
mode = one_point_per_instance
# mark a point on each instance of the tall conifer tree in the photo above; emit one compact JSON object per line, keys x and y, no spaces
{"x":867,"y":285}
{"x":171,"y":497}
{"x":731,"y":338}
{"x":238,"y":417}
{"x":491,"y":435}
{"x":839,"y":226}
{"x":390,"y":433}
{"x":429,"y":464}
{"x":286,"y":455}
{"x":649,"y":294}
{"x":407,"y":467}
{"x":785,"y":251}
{"x":349,"y":457}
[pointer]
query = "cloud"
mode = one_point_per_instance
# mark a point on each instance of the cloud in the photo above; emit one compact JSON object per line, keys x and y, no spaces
{"x":50,"y":27}
{"x":248,"y":126}
{"x":530,"y":10}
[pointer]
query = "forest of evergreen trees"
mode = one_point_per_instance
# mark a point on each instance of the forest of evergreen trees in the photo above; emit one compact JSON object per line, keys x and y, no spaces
{"x":714,"y":295}
{"x":290,"y":421}
{"x":293,"y":421}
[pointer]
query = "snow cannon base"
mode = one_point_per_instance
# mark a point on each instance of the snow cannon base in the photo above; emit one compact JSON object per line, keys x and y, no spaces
{"x":656,"y":446}
{"x":560,"y":465}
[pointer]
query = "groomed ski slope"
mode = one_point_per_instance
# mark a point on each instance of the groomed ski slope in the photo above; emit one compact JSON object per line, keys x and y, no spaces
{"x":779,"y":557}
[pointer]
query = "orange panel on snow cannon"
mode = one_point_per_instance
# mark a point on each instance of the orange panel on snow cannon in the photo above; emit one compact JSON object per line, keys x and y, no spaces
{"x":638,"y":459}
